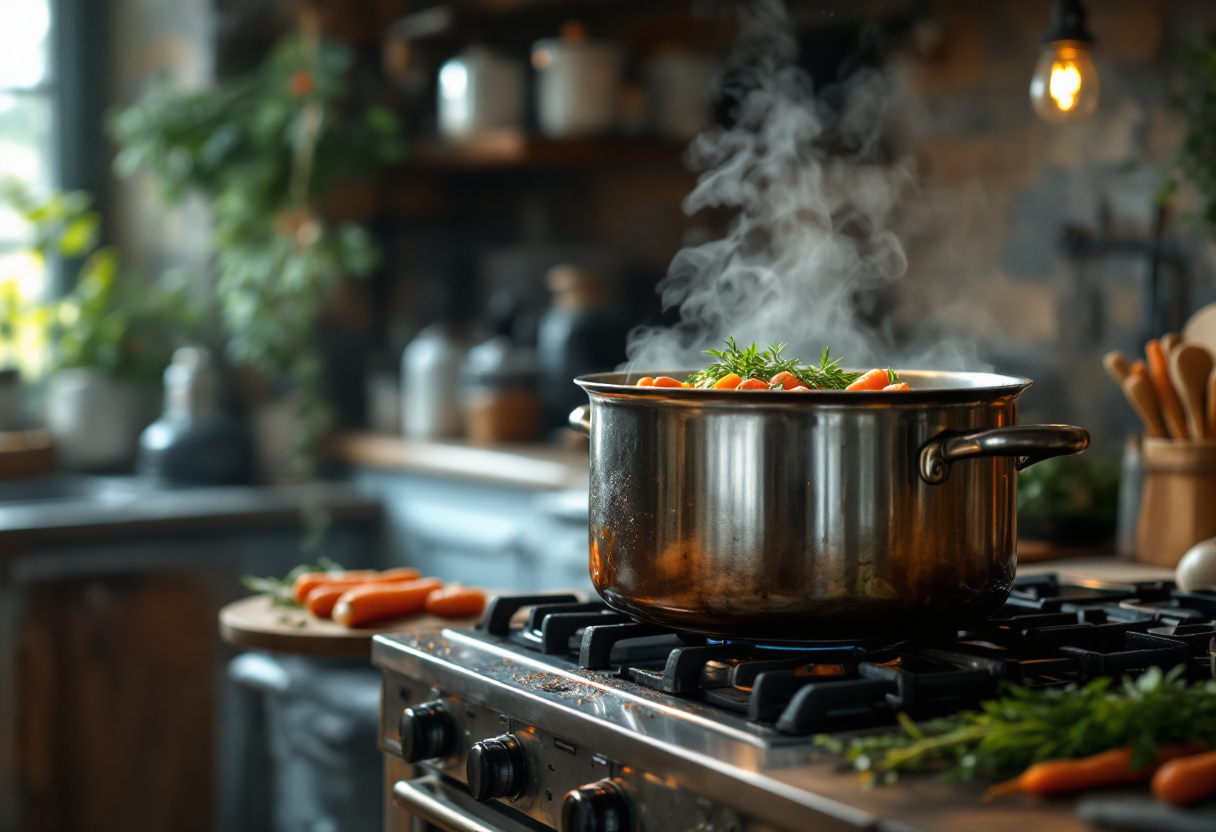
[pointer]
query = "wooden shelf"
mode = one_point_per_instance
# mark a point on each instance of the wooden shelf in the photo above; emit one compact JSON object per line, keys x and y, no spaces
{"x":510,"y":149}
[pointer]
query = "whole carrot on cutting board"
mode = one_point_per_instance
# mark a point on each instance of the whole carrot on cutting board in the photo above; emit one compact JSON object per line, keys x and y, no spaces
{"x":456,"y":601}
{"x":378,"y":602}
{"x":309,"y":581}
{"x":1171,"y":408}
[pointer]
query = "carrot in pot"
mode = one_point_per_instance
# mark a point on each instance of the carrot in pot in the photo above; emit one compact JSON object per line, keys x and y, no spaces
{"x":456,"y":601}
{"x":1107,"y":768}
{"x":1186,"y":780}
{"x":645,"y":381}
{"x":898,"y":386}
{"x":800,"y":389}
{"x":785,"y":379}
{"x":309,"y":581}
{"x":873,"y":380}
{"x":754,"y":384}
{"x":377,"y":602}
{"x":667,"y":381}
{"x":728,"y":382}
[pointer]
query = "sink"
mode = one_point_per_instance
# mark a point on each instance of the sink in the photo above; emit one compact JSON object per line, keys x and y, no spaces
{"x":68,"y":487}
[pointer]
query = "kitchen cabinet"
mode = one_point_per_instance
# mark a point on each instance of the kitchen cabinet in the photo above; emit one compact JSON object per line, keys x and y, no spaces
{"x":508,"y":517}
{"x":115,"y":709}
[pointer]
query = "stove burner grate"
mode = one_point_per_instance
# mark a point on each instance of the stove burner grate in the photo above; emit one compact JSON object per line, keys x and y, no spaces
{"x":1049,"y":633}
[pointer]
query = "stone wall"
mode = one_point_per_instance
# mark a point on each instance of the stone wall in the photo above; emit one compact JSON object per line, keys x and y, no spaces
{"x":1002,"y":186}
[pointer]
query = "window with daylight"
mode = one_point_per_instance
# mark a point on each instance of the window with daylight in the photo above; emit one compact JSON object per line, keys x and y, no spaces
{"x":27,"y":89}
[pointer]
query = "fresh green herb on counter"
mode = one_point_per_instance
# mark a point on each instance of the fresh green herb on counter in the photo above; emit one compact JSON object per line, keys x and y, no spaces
{"x":1027,"y":726}
{"x":279,"y":589}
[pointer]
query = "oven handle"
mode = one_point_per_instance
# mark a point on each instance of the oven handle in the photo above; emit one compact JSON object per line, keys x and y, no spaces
{"x":424,"y":798}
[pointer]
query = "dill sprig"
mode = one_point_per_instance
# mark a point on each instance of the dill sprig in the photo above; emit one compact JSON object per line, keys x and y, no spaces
{"x":753,"y":362}
{"x":1027,"y":726}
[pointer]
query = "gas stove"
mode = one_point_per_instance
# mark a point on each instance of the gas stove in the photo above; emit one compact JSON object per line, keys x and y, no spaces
{"x":559,"y":713}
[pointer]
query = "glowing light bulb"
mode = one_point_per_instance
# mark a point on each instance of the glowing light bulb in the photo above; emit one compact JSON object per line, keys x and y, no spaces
{"x":1065,"y":83}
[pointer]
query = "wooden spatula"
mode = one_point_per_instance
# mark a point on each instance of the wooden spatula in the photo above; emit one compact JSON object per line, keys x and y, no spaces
{"x":1190,"y":368}
{"x":1212,"y":405}
{"x":1167,"y":398}
{"x":1139,"y":391}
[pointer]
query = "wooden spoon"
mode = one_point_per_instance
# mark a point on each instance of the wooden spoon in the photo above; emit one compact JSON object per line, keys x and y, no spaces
{"x":1116,"y":365}
{"x":1212,"y":405}
{"x":1190,"y":368}
{"x":1167,"y":397}
{"x":1169,"y":341}
{"x":1139,"y":391}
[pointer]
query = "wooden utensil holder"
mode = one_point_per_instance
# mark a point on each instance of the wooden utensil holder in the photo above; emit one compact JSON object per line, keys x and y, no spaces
{"x":1178,"y":504}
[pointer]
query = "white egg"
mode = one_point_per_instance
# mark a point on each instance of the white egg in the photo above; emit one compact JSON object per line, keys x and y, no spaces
{"x":1197,"y":569}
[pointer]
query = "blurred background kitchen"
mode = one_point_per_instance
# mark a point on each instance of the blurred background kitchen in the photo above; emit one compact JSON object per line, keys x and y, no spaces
{"x":282,"y":281}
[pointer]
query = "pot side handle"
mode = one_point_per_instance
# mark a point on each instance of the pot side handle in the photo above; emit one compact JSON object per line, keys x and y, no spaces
{"x":580,"y":419}
{"x":1029,"y":443}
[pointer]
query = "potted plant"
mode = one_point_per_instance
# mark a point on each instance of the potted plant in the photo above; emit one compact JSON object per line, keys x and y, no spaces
{"x":102,"y":346}
{"x":267,"y":151}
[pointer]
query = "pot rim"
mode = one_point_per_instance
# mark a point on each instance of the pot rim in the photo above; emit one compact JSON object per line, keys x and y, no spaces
{"x":960,"y":387}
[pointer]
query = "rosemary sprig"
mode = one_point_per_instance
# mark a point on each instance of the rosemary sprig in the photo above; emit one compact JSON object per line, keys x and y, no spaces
{"x":1027,"y":726}
{"x":752,"y":362}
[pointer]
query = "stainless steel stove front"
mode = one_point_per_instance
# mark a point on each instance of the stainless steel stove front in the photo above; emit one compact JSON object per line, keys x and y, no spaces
{"x":545,"y":736}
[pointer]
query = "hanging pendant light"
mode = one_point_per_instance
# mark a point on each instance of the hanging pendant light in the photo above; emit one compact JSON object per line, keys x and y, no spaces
{"x":1065,"y":83}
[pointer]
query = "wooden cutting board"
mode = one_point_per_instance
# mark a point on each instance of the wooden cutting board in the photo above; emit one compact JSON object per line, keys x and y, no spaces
{"x":255,"y":623}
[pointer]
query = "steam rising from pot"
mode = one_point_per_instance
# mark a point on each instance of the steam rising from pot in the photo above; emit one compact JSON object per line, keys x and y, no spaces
{"x":811,"y":255}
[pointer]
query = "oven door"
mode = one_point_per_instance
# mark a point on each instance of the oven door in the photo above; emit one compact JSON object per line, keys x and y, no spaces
{"x":436,"y":805}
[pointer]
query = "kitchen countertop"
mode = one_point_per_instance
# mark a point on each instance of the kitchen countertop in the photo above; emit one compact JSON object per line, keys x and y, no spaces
{"x":126,"y":506}
{"x":542,"y":467}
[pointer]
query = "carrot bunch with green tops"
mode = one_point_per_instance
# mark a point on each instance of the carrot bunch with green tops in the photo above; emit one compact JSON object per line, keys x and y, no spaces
{"x":751,"y":368}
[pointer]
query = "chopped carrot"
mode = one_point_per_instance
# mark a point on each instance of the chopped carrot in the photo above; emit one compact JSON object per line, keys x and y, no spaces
{"x":754,"y":384}
{"x":645,"y":381}
{"x":456,"y":601}
{"x":307,"y":582}
{"x":899,"y":385}
{"x":666,"y":381}
{"x":728,"y":382}
{"x":787,"y":380}
{"x":1107,"y":768}
{"x":1186,"y":780}
{"x":873,"y":380}
{"x":377,"y":602}
{"x":685,"y":384}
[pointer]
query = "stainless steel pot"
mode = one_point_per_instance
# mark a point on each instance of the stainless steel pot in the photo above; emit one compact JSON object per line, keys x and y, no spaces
{"x":825,"y":514}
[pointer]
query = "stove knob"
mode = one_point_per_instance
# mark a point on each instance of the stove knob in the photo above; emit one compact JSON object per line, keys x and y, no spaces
{"x":427,"y":731}
{"x":496,"y":768}
{"x":596,"y":807}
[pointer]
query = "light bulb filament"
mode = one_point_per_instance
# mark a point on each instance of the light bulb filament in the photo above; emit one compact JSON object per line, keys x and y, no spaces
{"x":1065,"y":84}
